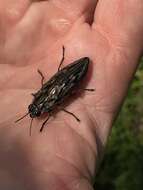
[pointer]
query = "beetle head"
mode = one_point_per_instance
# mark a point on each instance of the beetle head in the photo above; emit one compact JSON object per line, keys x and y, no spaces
{"x":34,"y":111}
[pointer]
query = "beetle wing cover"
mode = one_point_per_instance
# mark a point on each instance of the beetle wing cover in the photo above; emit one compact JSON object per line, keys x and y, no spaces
{"x":61,"y":84}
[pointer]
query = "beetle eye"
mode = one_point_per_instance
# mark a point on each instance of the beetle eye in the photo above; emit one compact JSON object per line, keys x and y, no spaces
{"x":33,"y":110}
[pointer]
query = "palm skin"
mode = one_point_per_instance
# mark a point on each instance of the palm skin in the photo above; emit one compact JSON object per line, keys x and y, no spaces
{"x":65,"y":155}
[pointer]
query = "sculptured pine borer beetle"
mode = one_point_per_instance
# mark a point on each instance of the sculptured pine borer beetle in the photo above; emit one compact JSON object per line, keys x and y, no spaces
{"x":54,"y":92}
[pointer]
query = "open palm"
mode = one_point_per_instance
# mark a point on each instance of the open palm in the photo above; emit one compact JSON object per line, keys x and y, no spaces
{"x":65,"y":154}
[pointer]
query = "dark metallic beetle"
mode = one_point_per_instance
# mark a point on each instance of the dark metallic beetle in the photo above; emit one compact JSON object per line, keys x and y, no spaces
{"x":55,"y":90}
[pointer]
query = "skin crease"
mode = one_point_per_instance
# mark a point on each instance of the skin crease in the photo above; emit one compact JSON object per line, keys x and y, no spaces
{"x":66,"y":154}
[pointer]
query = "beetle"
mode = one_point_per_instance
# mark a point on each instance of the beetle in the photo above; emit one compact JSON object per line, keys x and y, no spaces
{"x":60,"y":86}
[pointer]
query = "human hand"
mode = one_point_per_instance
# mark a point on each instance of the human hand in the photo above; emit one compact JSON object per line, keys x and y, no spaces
{"x":66,"y":154}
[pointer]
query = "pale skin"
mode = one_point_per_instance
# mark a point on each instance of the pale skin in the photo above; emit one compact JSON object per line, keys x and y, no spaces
{"x":66,"y":155}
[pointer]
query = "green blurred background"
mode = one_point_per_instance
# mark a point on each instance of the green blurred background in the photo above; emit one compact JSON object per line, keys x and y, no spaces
{"x":122,"y":167}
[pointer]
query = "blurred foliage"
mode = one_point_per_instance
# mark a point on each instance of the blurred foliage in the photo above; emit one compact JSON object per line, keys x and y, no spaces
{"x":122,"y":167}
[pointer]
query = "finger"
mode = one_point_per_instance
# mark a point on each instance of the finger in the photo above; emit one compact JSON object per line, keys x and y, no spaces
{"x":43,"y":24}
{"x":12,"y":11}
{"x":52,"y":19}
{"x":120,"y":21}
{"x":119,"y":40}
{"x":122,"y":28}
{"x":80,"y":9}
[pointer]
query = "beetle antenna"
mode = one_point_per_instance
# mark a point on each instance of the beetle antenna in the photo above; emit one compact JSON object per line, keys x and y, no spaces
{"x":30,"y":127}
{"x":21,"y":118}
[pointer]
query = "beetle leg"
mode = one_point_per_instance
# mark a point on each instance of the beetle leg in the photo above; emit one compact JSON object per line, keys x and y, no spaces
{"x":41,"y":129}
{"x":42,"y":77}
{"x":62,"y":60}
{"x":83,"y":89}
{"x":33,"y":94}
{"x":89,"y":89}
{"x":71,"y":114}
